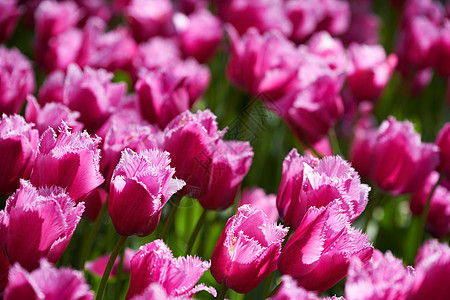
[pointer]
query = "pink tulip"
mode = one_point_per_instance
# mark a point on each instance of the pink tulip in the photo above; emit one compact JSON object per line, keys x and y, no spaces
{"x":190,"y":6}
{"x":212,"y":168}
{"x":18,"y":147}
{"x":290,"y":290}
{"x":4,"y":270}
{"x":310,"y":182}
{"x":52,"y":89}
{"x":364,"y":25}
{"x":263,"y":15}
{"x":247,"y":250}
{"x":9,"y":12}
{"x":96,"y":9}
{"x":94,"y":201}
{"x":154,"y":263}
{"x":432,"y":267}
{"x":438,"y":218}
{"x":265,"y":63}
{"x":92,"y":93}
{"x":141,"y":185}
{"x":98,"y":265}
{"x":16,"y":80}
{"x":61,"y":50}
{"x":382,"y":278}
{"x":51,"y":115}
{"x":443,"y":142}
{"x":318,"y":253}
{"x":47,"y":282}
{"x":43,"y":219}
{"x":394,"y":157}
{"x":443,"y":50}
{"x":69,"y":160}
{"x":147,"y":21}
{"x":257,"y":198}
{"x":371,"y":71}
{"x":156,"y":291}
{"x":200,"y":34}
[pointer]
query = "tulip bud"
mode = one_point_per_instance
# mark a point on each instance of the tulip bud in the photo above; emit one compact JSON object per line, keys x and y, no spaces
{"x":247,"y":250}
{"x":141,"y":185}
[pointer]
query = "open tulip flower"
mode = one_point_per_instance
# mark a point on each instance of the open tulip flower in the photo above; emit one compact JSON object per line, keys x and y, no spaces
{"x":247,"y":250}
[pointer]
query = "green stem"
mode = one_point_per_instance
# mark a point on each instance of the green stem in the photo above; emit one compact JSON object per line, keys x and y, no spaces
{"x":334,"y":143}
{"x":119,"y":272}
{"x":371,"y":207}
{"x":112,"y":259}
{"x":171,"y":216}
{"x":87,"y":245}
{"x":222,"y":293}
{"x":286,"y":238}
{"x":268,"y":285}
{"x":275,"y":290}
{"x":423,"y":216}
{"x":196,"y":231}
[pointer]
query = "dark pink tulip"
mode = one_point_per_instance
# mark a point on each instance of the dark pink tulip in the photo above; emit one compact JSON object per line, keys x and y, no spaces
{"x":443,"y":142}
{"x":438,"y":218}
{"x":393,"y":156}
{"x":310,"y":182}
{"x":289,"y":290}
{"x":432,"y":267}
{"x":9,"y":12}
{"x":212,"y":168}
{"x":98,"y":265}
{"x":364,"y":25}
{"x":382,"y":278}
{"x":189,"y":6}
{"x":43,"y":219}
{"x":162,"y":96}
{"x":154,"y":263}
{"x":94,"y":201}
{"x":336,"y":17}
{"x":69,"y":160}
{"x":63,"y":49}
{"x":47,"y":282}
{"x":263,"y":15}
{"x":371,"y":71}
{"x":141,"y":185}
{"x":318,"y":253}
{"x":92,"y":93}
{"x":262,"y":63}
{"x":147,"y":21}
{"x":52,"y":114}
{"x":247,"y":250}
{"x":16,"y":80}
{"x":96,"y":9}
{"x":18,"y":147}
{"x":258,"y":199}
{"x":196,"y":77}
{"x":52,"y":90}
{"x":443,"y":45}
{"x":200,"y":34}
{"x":4,"y":269}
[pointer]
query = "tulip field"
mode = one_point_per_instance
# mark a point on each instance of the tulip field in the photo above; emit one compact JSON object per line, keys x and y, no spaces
{"x":224,"y":149}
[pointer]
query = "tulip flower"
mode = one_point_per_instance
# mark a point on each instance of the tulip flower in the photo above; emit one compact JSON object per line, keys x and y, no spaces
{"x":247,"y":250}
{"x":382,"y":277}
{"x":18,"y":147}
{"x":154,"y":263}
{"x":393,"y":156}
{"x":156,"y":291}
{"x":155,"y":53}
{"x":140,"y":186}
{"x":257,"y":198}
{"x":310,"y":182}
{"x":9,"y":12}
{"x":69,"y":160}
{"x":4,"y":270}
{"x":47,"y":282}
{"x":318,"y":253}
{"x":438,"y":217}
{"x":98,"y":265}
{"x":213,"y":169}
{"x":43,"y":219}
{"x":16,"y":80}
{"x":52,"y":89}
{"x":443,"y":142}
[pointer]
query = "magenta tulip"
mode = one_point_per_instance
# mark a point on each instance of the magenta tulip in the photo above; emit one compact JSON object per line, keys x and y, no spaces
{"x":290,"y":290}
{"x":47,"y":282}
{"x":443,"y":142}
{"x":18,"y":147}
{"x":52,"y":89}
{"x":156,"y":291}
{"x":141,"y":185}
{"x":37,"y":223}
{"x":318,"y":253}
{"x":258,"y":199}
{"x":69,"y":160}
{"x":154,"y":263}
{"x":247,"y":250}
{"x":9,"y":12}
{"x":310,"y":182}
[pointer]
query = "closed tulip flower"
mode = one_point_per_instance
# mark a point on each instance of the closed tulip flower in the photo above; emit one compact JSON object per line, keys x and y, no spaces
{"x":247,"y":250}
{"x":318,"y":253}
{"x":141,"y":185}
{"x":18,"y":147}
{"x":69,"y":160}
{"x":310,"y":182}
{"x":43,"y":219}
{"x":154,"y":263}
{"x":443,"y":142}
{"x":47,"y":282}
